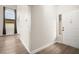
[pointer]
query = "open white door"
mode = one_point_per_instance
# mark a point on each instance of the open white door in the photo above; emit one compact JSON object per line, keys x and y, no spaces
{"x":70,"y":23}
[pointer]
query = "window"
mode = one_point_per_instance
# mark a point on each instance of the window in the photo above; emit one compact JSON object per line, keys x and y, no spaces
{"x":9,"y":13}
{"x":9,"y":23}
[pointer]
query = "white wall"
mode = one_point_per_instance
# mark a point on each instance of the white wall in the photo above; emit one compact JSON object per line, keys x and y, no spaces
{"x":43,"y":26}
{"x":24,"y":24}
{"x":70,"y":29}
{"x":62,"y":9}
{"x":1,"y":20}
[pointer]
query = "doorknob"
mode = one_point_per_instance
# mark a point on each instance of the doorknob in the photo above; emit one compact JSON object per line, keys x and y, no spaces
{"x":62,"y":28}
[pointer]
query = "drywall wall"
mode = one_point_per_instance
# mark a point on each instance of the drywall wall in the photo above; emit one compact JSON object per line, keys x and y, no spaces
{"x":43,"y":28}
{"x":24,"y":24}
{"x":70,"y":34}
{"x":11,"y":6}
{"x":71,"y":28}
{"x":61,"y":9}
{"x":1,"y":20}
{"x":1,"y":17}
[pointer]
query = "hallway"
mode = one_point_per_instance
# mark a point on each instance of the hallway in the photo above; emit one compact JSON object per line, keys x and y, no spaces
{"x":38,"y":26}
{"x":11,"y":45}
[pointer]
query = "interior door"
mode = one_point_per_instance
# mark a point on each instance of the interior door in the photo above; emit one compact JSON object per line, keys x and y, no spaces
{"x":70,"y":23}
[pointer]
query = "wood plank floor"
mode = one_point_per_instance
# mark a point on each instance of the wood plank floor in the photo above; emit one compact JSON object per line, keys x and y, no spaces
{"x":11,"y":45}
{"x":59,"y":48}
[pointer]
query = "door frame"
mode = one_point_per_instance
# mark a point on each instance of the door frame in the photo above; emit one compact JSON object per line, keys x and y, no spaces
{"x":61,"y":28}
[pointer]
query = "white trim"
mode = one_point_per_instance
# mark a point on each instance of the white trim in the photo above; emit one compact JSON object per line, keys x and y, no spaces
{"x":25,"y":46}
{"x":28,"y":49}
{"x":41,"y":48}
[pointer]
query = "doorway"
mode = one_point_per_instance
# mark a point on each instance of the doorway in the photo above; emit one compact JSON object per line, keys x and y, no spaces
{"x":9,"y":21}
{"x":70,"y":28}
{"x":60,"y":28}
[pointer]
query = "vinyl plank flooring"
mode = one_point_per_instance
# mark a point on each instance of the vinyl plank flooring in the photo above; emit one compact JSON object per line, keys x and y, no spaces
{"x":11,"y":45}
{"x":59,"y":48}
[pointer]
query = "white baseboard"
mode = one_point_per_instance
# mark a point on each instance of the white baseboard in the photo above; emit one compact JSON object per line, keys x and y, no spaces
{"x":25,"y":46}
{"x":41,"y":48}
{"x":28,"y":50}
